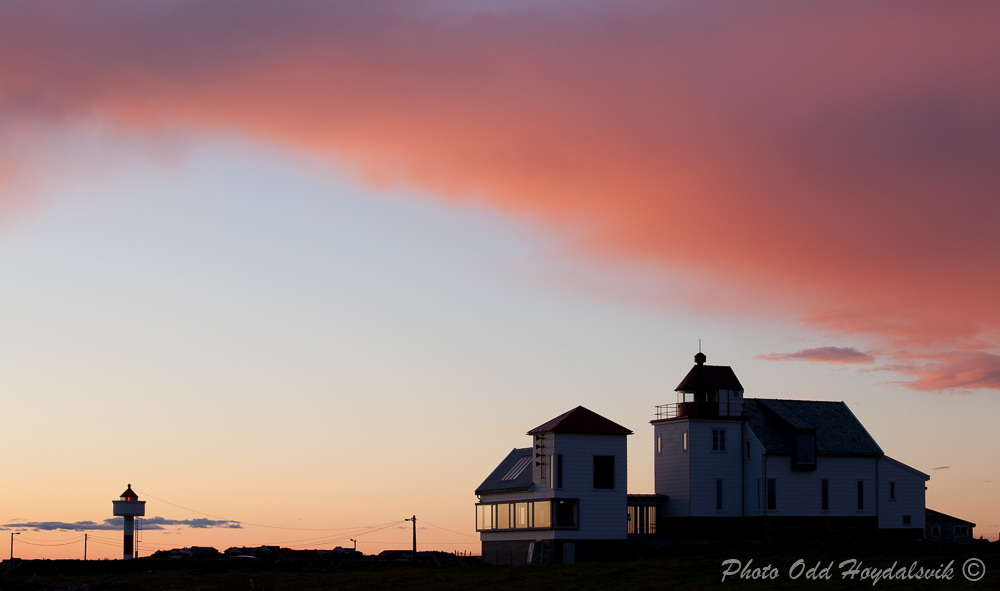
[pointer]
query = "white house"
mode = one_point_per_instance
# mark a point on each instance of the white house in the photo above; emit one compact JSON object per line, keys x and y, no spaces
{"x":784,"y":468}
{"x":561,"y":499}
{"x":725,"y":466}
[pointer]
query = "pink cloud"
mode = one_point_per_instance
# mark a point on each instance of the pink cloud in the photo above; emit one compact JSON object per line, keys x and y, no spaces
{"x":952,"y":370}
{"x":837,"y":158}
{"x":835,"y":355}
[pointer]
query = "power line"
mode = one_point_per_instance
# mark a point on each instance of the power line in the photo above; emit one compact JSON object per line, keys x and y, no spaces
{"x":247,"y":522}
{"x":23,"y":537}
{"x":345,"y":537}
{"x":449,"y":530}
{"x":50,"y":545}
{"x":357,"y":532}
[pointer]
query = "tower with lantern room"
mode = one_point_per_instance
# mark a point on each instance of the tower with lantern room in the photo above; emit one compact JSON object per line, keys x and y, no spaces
{"x":697,"y":443}
{"x":129,"y":507}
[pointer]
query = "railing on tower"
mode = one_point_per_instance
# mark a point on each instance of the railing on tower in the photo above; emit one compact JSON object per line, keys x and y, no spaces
{"x":700,"y":410}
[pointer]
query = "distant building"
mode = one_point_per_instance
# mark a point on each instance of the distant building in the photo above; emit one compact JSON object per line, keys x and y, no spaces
{"x":945,"y":528}
{"x":561,"y":500}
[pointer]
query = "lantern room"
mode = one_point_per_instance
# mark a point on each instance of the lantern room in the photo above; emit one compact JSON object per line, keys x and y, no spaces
{"x":129,"y":505}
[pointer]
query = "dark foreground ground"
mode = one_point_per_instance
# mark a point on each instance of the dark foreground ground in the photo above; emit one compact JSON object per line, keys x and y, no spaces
{"x":676,"y":568}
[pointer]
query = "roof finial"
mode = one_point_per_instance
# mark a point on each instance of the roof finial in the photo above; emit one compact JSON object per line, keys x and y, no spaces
{"x":700,"y":357}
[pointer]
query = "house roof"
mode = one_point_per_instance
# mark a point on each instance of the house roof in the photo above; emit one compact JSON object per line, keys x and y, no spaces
{"x":910,"y":469}
{"x":838,"y":431}
{"x":932,"y":515}
{"x":513,"y":474}
{"x":709,"y":377}
{"x":580,"y":420}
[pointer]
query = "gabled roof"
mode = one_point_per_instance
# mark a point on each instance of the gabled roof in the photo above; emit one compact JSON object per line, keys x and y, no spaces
{"x":506,"y":477}
{"x":910,"y":469}
{"x":838,"y":431}
{"x":710,"y":377}
{"x":580,"y":420}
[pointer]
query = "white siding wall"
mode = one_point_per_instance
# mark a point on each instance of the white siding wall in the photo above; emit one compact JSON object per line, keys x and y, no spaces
{"x":709,"y":466}
{"x":504,"y":536}
{"x":755,"y":497}
{"x":603,"y":513}
{"x":689,"y":477}
{"x":671,"y":467}
{"x":799,"y":493}
{"x":910,"y":496}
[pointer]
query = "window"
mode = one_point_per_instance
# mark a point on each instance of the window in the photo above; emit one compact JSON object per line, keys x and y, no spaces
{"x":758,"y":494}
{"x":685,"y":442}
{"x":961,"y":530}
{"x":718,"y":495}
{"x":907,"y":520}
{"x":659,"y":443}
{"x":557,"y":471}
{"x":543,"y":514}
{"x":772,"y":494}
{"x":892,"y":491}
{"x":861,"y":495}
{"x":641,"y":519}
{"x":516,"y":470}
{"x":502,"y":516}
{"x":936,"y":531}
{"x":521,"y":515}
{"x":805,"y":451}
{"x":718,"y":440}
{"x":484,"y":516}
{"x":566,"y":513}
{"x":825,"y":494}
{"x":604,"y":472}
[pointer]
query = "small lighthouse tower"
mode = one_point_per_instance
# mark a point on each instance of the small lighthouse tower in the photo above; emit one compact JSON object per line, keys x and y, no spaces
{"x":129,"y":507}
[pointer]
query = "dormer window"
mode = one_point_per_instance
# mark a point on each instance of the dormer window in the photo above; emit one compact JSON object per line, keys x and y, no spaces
{"x":805,"y":450}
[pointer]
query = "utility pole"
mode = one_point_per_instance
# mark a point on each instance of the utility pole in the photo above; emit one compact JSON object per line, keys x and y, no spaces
{"x":355,"y":544}
{"x":414,"y":520}
{"x":12,"y":534}
{"x":85,"y":546}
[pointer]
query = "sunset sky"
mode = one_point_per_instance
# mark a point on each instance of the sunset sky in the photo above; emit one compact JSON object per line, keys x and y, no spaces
{"x":320,"y":266}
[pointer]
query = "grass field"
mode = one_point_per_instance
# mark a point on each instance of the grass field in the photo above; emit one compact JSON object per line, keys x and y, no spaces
{"x":680,"y":568}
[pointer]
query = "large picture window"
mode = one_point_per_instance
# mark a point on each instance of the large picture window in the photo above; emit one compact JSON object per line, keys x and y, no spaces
{"x":521,"y":515}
